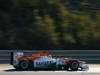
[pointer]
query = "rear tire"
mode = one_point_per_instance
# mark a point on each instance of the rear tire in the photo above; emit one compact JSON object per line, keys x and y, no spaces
{"x":24,"y":64}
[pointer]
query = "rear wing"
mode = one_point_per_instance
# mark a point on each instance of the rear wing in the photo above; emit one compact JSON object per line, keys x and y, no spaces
{"x":14,"y":55}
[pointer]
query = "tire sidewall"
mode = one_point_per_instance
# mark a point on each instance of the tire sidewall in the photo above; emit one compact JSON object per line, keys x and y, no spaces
{"x":74,"y":66}
{"x":24,"y":65}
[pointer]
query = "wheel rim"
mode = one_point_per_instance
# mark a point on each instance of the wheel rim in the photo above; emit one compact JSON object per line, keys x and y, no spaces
{"x":75,"y":65}
{"x":24,"y":65}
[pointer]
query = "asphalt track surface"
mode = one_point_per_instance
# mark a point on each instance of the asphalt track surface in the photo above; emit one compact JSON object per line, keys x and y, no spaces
{"x":6,"y":69}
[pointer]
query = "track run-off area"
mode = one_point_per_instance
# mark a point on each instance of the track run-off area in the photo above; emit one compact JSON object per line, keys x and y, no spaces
{"x":6,"y":69}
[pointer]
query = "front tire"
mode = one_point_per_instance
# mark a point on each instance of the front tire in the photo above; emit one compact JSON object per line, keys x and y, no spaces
{"x":74,"y":65}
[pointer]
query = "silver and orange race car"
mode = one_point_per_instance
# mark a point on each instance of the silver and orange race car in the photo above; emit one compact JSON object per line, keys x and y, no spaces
{"x":42,"y":60}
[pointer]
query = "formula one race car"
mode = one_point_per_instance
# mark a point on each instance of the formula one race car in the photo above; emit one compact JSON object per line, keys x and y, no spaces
{"x":43,"y":61}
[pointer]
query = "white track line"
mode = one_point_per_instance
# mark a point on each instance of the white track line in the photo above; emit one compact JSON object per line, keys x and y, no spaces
{"x":92,"y":68}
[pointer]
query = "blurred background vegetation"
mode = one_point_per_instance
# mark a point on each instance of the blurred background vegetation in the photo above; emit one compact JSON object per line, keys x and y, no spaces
{"x":50,"y":24}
